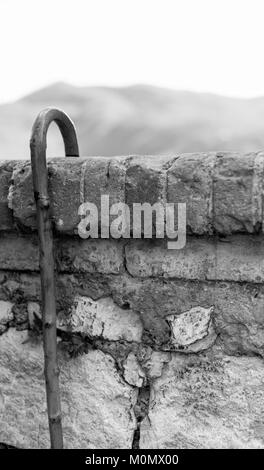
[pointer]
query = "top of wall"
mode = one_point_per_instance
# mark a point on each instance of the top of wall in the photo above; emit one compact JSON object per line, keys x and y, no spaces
{"x":223,"y":191}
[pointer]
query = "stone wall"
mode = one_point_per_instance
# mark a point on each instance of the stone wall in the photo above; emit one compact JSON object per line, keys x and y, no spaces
{"x":158,"y":348}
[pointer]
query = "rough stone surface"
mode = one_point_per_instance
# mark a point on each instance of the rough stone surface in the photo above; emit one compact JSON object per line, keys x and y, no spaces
{"x":223,"y":191}
{"x":238,"y":309}
{"x":146,"y":181}
{"x":190,"y":181}
{"x":20,"y":196}
{"x":192,"y":331}
{"x":103,"y":256}
{"x":18,"y":253}
{"x":6,"y":315}
{"x":85,"y":180}
{"x":239,"y":176}
{"x":133,"y":372}
{"x":104,"y":176}
{"x":26,"y":285}
{"x":103,"y":318}
{"x":156,"y":345}
{"x":34,"y":311}
{"x":206,"y":401}
{"x":6,"y":218}
{"x":21,"y":253}
{"x":97,"y":403}
{"x":237,"y":258}
{"x":64,"y":179}
{"x":154,"y":364}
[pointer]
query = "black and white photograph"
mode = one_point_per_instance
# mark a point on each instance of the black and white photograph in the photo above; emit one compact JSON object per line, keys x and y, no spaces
{"x":131,"y":231}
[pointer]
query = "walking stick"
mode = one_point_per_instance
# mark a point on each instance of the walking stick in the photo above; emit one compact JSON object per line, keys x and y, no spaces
{"x":38,"y":144}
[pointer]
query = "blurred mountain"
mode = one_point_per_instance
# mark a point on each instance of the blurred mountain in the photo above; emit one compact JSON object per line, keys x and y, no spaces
{"x":138,"y":119}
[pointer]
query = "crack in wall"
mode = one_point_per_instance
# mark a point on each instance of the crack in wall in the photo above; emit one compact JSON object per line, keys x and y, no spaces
{"x":141,"y":411}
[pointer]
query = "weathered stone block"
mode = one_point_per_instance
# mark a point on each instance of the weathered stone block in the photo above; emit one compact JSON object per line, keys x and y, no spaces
{"x":237,"y":258}
{"x":103,"y":256}
{"x":133,"y":372}
{"x":104,"y":176}
{"x":206,"y":401}
{"x":6,"y":314}
{"x":238,"y":189}
{"x":65,"y":177}
{"x":153,"y":259}
{"x":21,"y":253}
{"x":21,"y":197}
{"x":72,"y":181}
{"x":103,"y":319}
{"x":190,"y":181}
{"x":192,"y":331}
{"x":64,"y":192}
{"x":97,"y":404}
{"x":146,"y":182}
{"x":25,"y":285}
{"x":146,"y":179}
{"x":155,"y":363}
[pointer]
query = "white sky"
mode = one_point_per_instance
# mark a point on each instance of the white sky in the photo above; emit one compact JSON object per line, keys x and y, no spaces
{"x":201,"y":45}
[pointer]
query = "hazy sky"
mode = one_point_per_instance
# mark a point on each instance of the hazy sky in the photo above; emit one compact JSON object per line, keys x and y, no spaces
{"x":201,"y":45}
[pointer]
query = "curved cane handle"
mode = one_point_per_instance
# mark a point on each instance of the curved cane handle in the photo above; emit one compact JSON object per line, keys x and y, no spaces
{"x":38,"y":144}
